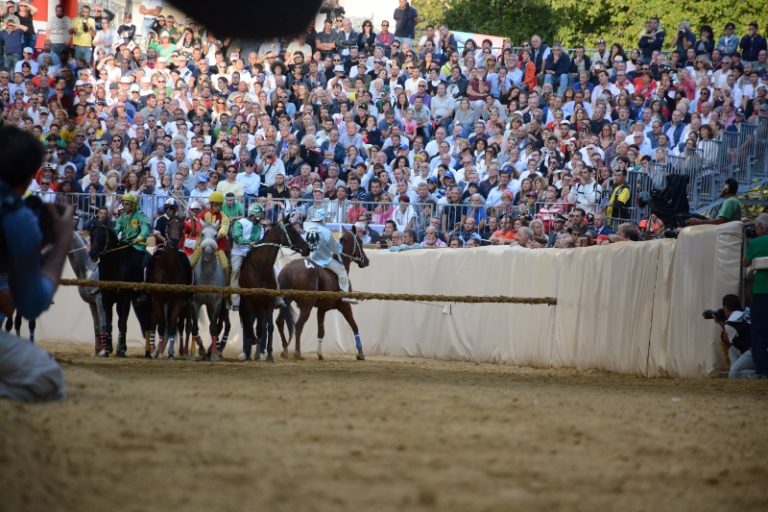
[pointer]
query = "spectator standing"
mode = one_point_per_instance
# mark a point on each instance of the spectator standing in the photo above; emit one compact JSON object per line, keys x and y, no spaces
{"x":150,"y":9}
{"x":58,"y":30}
{"x":752,"y":44}
{"x":83,"y":30}
{"x":652,"y":39}
{"x":757,"y":256}
{"x":406,"y":17}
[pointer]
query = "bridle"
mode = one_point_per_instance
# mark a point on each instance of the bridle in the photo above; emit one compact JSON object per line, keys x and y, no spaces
{"x":284,"y":236}
{"x":106,"y":251}
{"x":356,"y":249}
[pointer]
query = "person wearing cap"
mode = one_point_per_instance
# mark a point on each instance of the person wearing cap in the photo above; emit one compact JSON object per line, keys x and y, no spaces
{"x":246,"y":231}
{"x":558,"y":228}
{"x":232,"y":208}
{"x":133,"y":227}
{"x":213,"y":215}
{"x":325,"y":249}
{"x":192,"y":227}
{"x":83,"y":30}
{"x":201,"y":192}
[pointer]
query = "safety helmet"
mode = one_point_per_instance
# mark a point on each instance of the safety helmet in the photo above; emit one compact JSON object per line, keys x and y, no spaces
{"x":129,"y":198}
{"x":256,"y":210}
{"x":319,"y":215}
{"x":216,"y":197}
{"x":171,"y":203}
{"x":195,"y":205}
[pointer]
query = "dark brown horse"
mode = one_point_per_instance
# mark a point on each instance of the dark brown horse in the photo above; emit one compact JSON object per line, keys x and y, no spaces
{"x":304,"y":274}
{"x":258,"y":271}
{"x":171,"y":266}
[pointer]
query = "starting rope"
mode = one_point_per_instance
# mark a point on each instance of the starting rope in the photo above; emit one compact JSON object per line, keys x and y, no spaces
{"x":296,"y":294}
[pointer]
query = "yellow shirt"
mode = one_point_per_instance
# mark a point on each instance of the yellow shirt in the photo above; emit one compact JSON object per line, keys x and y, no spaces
{"x":80,"y":38}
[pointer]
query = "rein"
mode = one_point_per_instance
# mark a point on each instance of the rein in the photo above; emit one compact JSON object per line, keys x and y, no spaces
{"x":284,"y":235}
{"x":352,"y":257}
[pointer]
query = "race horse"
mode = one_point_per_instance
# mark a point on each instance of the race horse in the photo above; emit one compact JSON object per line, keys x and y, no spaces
{"x":116,"y":263}
{"x":85,"y":268}
{"x":209,"y":272}
{"x":170,"y":266}
{"x":304,"y":274}
{"x":257,"y":271}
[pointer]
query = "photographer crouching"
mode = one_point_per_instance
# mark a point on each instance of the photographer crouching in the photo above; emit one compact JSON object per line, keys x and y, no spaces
{"x":27,"y":281}
{"x":757,"y":257}
{"x":735,"y":336}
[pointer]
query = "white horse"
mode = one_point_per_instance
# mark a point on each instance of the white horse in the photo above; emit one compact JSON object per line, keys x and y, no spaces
{"x":85,"y":268}
{"x":209,"y":272}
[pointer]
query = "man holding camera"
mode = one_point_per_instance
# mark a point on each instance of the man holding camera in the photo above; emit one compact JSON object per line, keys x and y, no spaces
{"x":734,"y":336}
{"x":28,"y":281}
{"x":757,"y":257}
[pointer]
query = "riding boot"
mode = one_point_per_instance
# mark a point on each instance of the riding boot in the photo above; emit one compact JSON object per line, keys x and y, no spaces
{"x":106,"y":343}
{"x":122,"y":347}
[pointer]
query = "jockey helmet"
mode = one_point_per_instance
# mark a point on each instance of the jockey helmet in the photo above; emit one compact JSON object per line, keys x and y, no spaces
{"x":319,"y":215}
{"x":256,"y":211}
{"x":171,"y":203}
{"x":216,"y":197}
{"x":129,"y":198}
{"x":195,"y":205}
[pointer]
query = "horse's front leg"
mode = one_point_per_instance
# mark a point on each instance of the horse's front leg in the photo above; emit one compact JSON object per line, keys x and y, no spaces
{"x":320,"y":334}
{"x":346,"y":311}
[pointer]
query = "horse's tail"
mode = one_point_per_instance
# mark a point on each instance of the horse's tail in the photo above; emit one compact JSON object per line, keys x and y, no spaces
{"x":290,"y":321}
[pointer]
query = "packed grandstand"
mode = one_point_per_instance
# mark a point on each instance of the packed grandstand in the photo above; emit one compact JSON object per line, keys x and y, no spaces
{"x":419,"y":140}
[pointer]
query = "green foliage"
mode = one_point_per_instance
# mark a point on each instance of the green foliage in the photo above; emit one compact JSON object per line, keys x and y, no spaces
{"x":575,"y":21}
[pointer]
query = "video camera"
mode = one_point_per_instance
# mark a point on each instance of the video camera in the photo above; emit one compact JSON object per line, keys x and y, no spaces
{"x":714,"y":314}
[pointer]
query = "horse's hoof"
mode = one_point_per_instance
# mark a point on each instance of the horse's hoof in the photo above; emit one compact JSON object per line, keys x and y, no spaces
{"x":284,"y":354}
{"x":270,"y":359}
{"x":361,"y":357}
{"x":147,"y":354}
{"x":320,"y":357}
{"x":170,"y":357}
{"x":215,"y":358}
{"x":120,"y":353}
{"x":297,"y":356}
{"x":103,"y":353}
{"x":243,"y":357}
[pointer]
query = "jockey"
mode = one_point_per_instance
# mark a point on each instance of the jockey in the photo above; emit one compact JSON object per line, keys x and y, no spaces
{"x":245,"y":232}
{"x":171,"y":206}
{"x":326,"y":249}
{"x":192,"y":228}
{"x":132,"y":227}
{"x":214,"y":215}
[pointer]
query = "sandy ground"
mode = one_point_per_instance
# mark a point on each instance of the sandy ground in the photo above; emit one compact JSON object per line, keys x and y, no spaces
{"x":384,"y":434}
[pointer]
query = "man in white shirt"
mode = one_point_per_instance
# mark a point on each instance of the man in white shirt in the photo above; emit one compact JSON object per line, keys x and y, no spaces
{"x":58,"y":30}
{"x":250,"y":180}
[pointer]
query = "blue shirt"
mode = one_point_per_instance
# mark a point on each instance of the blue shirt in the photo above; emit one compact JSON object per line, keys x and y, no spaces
{"x":32,"y":292}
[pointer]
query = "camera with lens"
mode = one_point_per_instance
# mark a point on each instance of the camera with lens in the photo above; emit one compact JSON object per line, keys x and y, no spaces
{"x":714,"y":314}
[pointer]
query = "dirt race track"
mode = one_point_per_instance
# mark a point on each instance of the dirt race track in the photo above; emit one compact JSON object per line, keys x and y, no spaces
{"x":379,"y":435}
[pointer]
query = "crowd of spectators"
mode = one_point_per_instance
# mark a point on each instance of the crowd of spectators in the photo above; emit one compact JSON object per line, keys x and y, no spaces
{"x":440,"y":144}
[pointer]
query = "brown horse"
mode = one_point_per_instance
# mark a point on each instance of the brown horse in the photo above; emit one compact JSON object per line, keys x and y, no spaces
{"x":257,"y":271}
{"x":304,"y":274}
{"x":170,"y":267}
